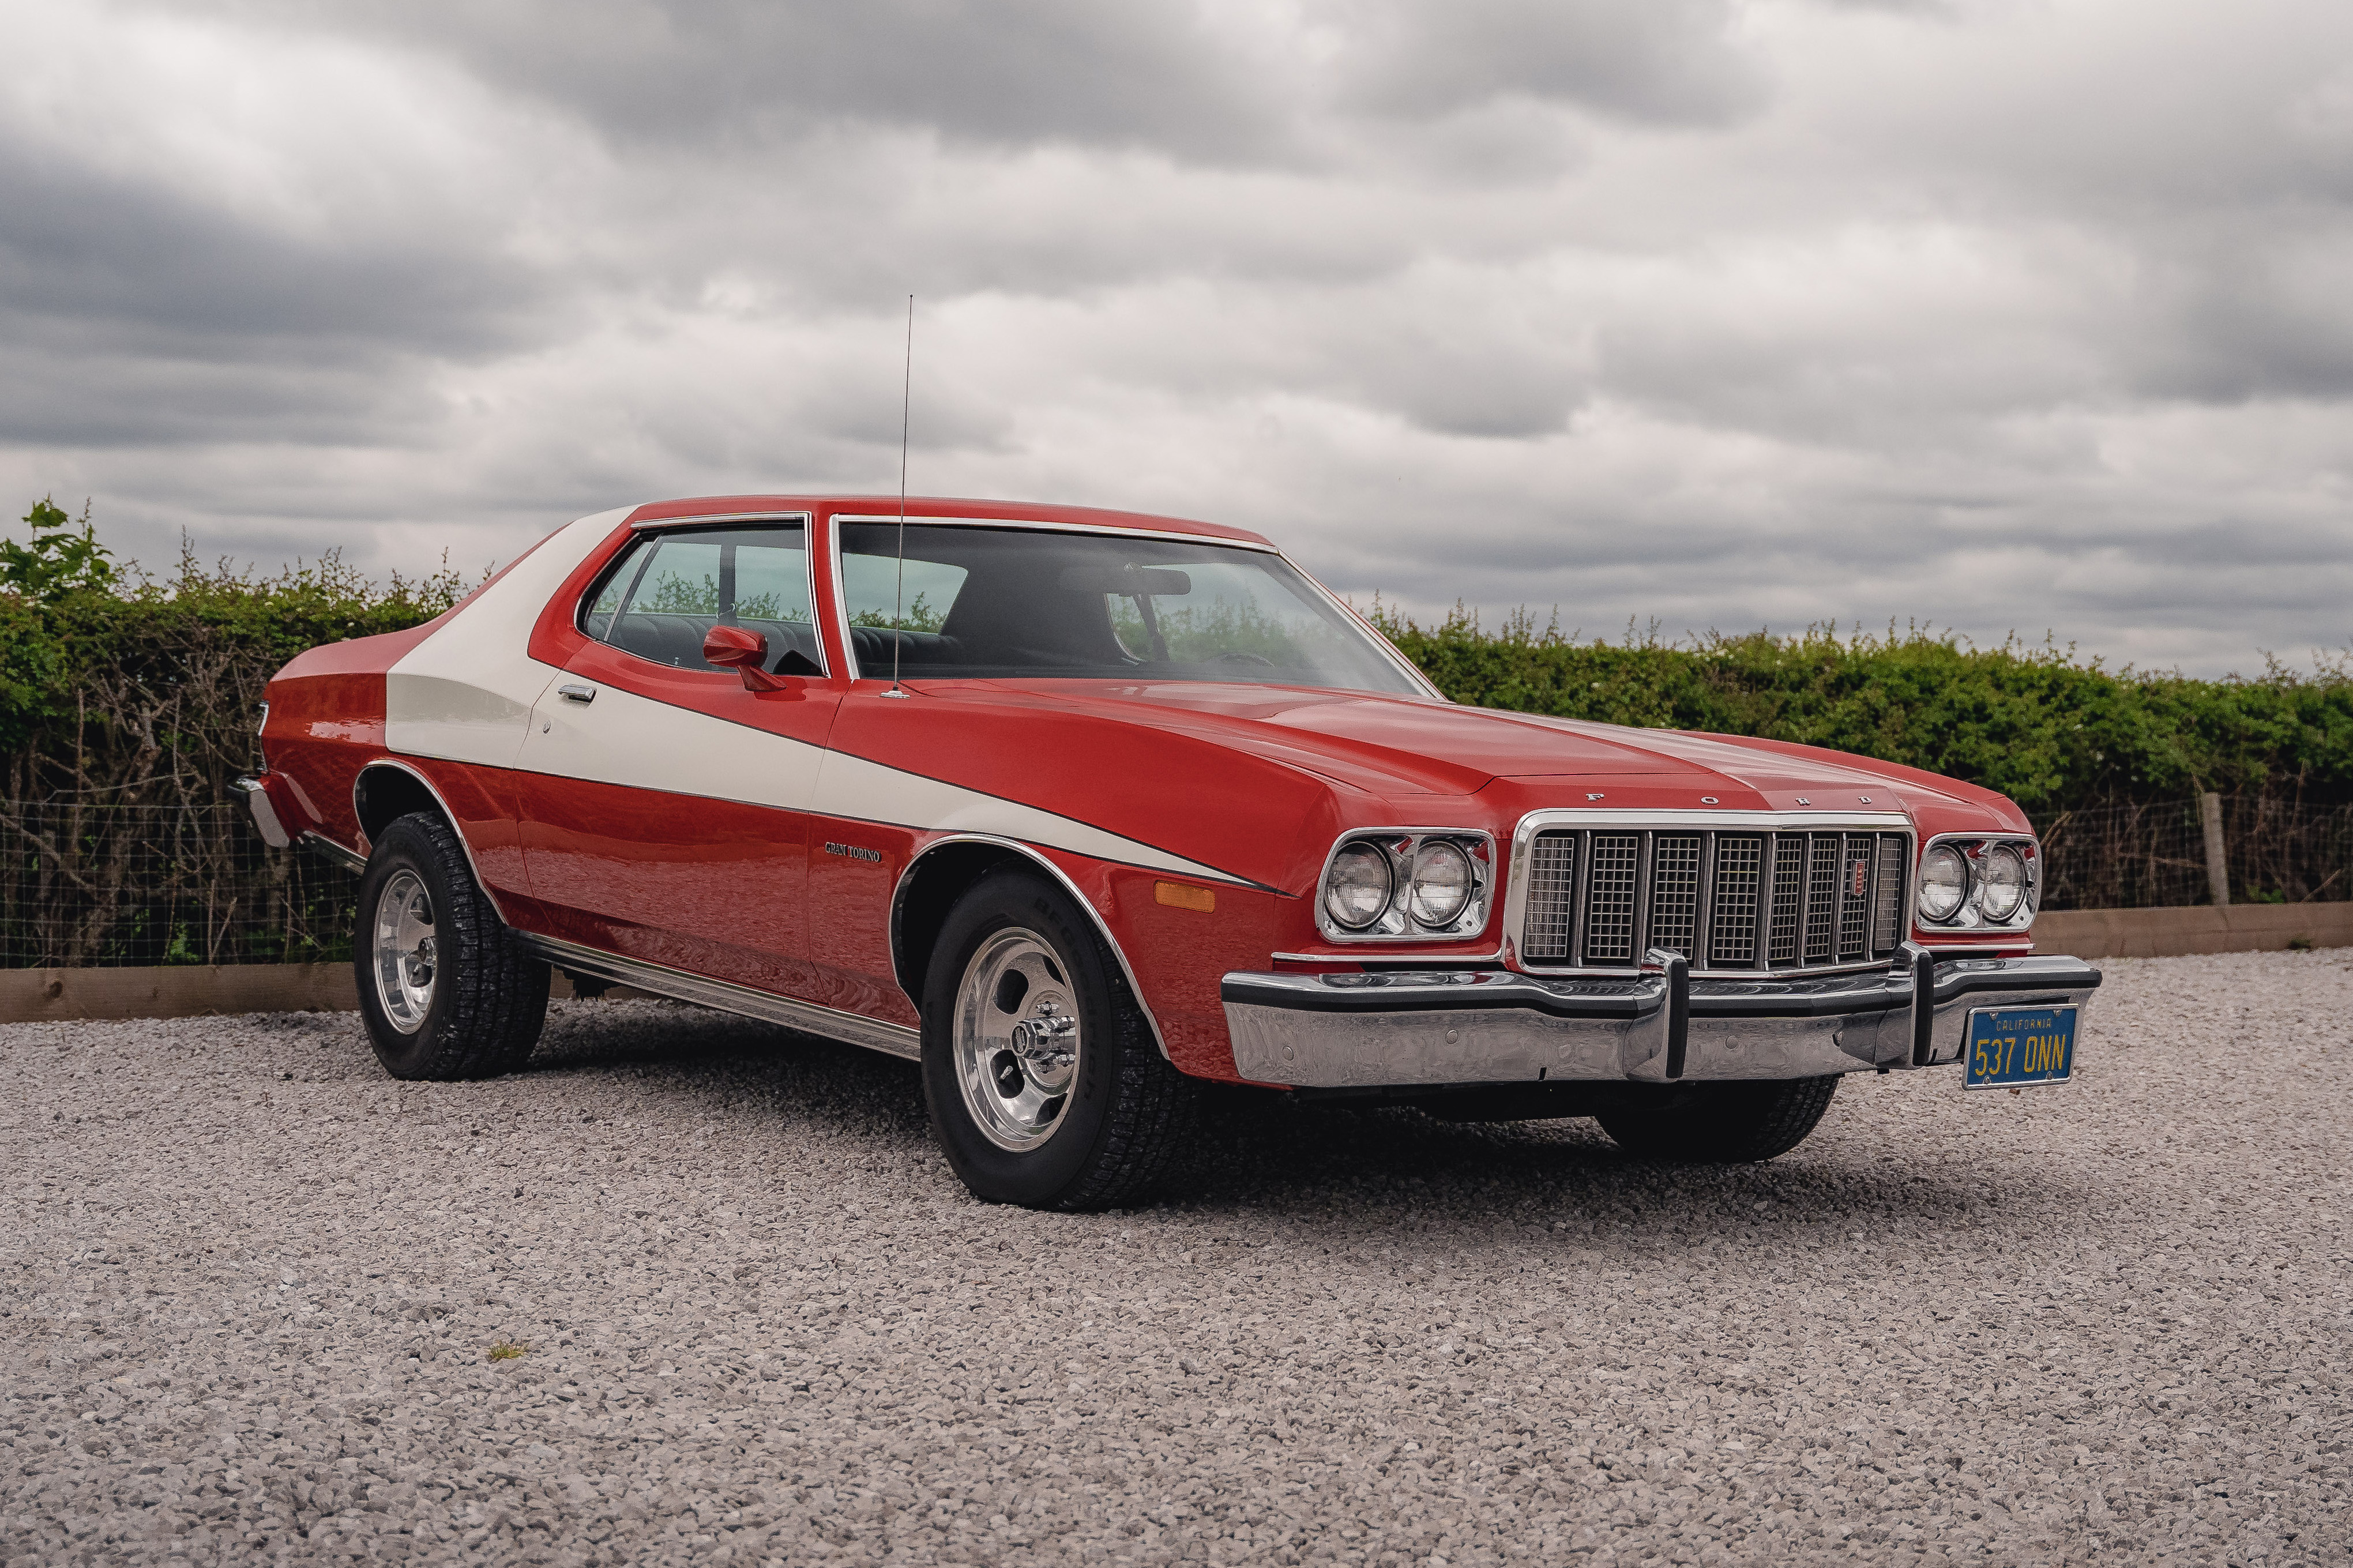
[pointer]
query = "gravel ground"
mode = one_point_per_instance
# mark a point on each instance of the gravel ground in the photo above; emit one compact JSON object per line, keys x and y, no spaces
{"x":250,"y":1290}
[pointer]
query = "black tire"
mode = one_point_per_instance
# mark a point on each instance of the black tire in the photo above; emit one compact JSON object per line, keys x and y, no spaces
{"x":1723,"y":1123}
{"x":485,"y":999}
{"x":1126,"y":1111}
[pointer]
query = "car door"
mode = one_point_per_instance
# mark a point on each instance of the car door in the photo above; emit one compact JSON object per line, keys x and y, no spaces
{"x":664,"y":804}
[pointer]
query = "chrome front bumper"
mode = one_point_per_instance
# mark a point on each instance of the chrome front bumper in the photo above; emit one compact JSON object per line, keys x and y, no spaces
{"x":1491,"y":1026}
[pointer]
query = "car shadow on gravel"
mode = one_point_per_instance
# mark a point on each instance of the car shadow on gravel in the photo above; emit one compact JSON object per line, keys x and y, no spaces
{"x":740,"y":1065}
{"x":1279,"y":1156}
{"x":1263,"y":1154}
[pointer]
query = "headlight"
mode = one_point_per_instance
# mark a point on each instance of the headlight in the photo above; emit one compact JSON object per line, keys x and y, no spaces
{"x":2001,"y":884}
{"x":1440,"y":884}
{"x":1357,"y":889}
{"x":1943,"y":883}
{"x":1407,"y":884}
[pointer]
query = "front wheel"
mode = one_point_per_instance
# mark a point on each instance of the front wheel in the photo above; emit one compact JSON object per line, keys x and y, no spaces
{"x":1043,"y":1081}
{"x":445,"y":989}
{"x":1723,"y":1123}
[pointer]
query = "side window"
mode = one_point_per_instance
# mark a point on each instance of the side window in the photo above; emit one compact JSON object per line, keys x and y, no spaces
{"x":870,"y":589}
{"x":662,"y":598}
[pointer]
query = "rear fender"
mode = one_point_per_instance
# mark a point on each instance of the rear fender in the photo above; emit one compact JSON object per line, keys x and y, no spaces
{"x":391,"y":787}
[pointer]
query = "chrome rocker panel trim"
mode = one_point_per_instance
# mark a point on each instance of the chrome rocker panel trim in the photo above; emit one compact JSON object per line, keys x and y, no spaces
{"x":1483,"y":1026}
{"x":334,"y":853}
{"x":874,"y":1033}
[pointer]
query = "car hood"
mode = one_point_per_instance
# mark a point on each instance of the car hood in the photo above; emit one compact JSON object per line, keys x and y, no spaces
{"x":1394,"y":745}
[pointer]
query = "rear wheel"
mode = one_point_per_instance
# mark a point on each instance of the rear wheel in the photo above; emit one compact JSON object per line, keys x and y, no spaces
{"x":1723,"y":1123}
{"x":445,"y":989}
{"x":1043,"y":1081}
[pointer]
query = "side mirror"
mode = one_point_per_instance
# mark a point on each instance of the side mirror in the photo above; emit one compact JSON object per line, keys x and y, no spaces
{"x":745,"y":653}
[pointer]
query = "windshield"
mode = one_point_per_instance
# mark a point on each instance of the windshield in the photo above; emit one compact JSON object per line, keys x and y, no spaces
{"x":997,"y":602}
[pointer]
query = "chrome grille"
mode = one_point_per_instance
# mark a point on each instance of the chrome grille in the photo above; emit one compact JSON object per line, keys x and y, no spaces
{"x":1603,"y":898}
{"x":1889,"y":909}
{"x":1821,"y":895}
{"x":1739,"y":873}
{"x":1610,"y":902}
{"x":1788,"y":894}
{"x":1674,"y":891}
{"x":1552,"y":897}
{"x":1854,"y":898}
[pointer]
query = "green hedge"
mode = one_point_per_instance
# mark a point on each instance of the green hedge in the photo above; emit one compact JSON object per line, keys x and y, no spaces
{"x":2051,"y":732}
{"x":116,"y":682}
{"x":121,"y":687}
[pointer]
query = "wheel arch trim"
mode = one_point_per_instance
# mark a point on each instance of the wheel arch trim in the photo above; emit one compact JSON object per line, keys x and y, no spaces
{"x":899,"y":959}
{"x":395,"y":765}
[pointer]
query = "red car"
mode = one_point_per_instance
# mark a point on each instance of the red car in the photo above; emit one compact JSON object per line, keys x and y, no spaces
{"x":1080,"y":809}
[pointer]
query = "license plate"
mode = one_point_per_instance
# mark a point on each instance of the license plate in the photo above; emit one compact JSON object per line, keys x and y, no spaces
{"x":2012,"y":1046}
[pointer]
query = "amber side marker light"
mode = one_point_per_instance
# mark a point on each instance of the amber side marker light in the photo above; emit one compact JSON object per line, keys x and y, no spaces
{"x":1177,"y":896}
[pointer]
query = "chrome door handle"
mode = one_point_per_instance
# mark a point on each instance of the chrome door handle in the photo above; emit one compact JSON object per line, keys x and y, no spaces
{"x":572,"y":693}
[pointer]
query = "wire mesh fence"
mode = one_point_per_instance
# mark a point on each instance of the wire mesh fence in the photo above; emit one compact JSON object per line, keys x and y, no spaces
{"x":2139,"y":855}
{"x":86,"y":885}
{"x":2282,"y":852}
{"x":2152,"y":854}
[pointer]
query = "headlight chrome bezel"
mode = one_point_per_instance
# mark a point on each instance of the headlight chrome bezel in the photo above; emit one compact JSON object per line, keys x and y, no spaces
{"x":1973,"y":849}
{"x":1435,"y":863}
{"x":1992,"y":877}
{"x":1400,"y":848}
{"x":1937,"y":855}
{"x":1343,"y":860}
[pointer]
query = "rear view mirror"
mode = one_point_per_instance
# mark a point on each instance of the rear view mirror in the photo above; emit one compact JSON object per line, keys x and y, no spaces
{"x":1125,"y":581}
{"x":747,"y":653}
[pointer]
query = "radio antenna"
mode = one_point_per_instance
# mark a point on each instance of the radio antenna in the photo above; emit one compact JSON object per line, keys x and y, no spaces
{"x":899,"y":595}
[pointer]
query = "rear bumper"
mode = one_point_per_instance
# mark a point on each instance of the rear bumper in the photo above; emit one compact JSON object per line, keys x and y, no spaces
{"x":265,"y":811}
{"x":1658,"y":1026}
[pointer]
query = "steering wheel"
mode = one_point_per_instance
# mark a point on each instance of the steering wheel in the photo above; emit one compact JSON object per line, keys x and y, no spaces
{"x":1235,"y":655}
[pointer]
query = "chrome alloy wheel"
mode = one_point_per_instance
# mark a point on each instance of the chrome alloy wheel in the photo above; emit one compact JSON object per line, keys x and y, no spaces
{"x":401,"y":949}
{"x":1015,"y":1039}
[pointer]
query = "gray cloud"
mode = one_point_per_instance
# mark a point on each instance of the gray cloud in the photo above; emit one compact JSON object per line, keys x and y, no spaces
{"x":2255,"y":315}
{"x":113,"y":256}
{"x":1008,"y":72}
{"x":1994,"y":316}
{"x":1180,"y":79}
{"x":1668,"y":62}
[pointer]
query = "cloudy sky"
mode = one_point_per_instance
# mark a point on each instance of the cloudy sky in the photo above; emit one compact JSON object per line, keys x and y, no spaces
{"x":1994,"y":314}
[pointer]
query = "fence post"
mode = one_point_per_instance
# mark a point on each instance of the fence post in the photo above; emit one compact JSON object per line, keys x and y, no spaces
{"x":2218,"y":863}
